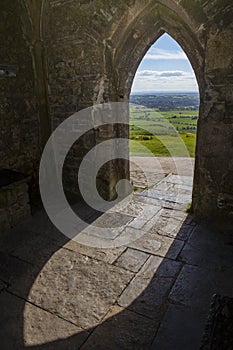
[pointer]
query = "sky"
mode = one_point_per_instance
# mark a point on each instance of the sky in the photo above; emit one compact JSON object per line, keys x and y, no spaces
{"x":165,"y":67}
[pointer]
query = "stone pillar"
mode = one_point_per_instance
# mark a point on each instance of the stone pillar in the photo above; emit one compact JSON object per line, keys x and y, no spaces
{"x":213,"y":190}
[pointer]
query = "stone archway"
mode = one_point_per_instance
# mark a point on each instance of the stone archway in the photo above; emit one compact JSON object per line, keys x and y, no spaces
{"x":144,"y":30}
{"x":139,"y":34}
{"x":94,"y":56}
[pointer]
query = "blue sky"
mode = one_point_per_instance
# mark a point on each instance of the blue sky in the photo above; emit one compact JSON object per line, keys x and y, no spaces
{"x":165,"y":67}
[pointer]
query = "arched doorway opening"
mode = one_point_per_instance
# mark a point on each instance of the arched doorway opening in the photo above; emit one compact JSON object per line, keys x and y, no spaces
{"x":164,"y":111}
{"x":131,"y":47}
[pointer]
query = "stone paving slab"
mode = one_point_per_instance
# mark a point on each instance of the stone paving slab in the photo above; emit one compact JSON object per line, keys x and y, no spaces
{"x":162,"y":203}
{"x":161,"y":186}
{"x":42,"y":327}
{"x":11,"y":322}
{"x":141,"y":181}
{"x":25,"y":325}
{"x":181,"y":328}
{"x":38,"y":249}
{"x":125,"y":237}
{"x":132,"y":260}
{"x":142,"y":220}
{"x":180,"y":180}
{"x":165,"y":165}
{"x":139,"y":209}
{"x":12,"y":269}
{"x":107,"y":255}
{"x":158,"y":245}
{"x":171,"y":227}
{"x":147,"y":300}
{"x":114,"y":224}
{"x":208,"y":247}
{"x":79,"y":289}
{"x":147,"y":291}
{"x":128,"y":214}
{"x":112,"y":220}
{"x":186,"y":187}
{"x":122,"y":329}
{"x":173,"y":196}
{"x":195,"y":286}
{"x":181,"y":216}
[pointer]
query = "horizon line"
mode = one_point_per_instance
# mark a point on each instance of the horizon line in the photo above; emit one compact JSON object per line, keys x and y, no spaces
{"x":164,"y":92}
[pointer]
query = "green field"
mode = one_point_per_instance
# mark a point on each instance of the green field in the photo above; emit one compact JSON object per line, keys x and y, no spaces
{"x":164,"y":133}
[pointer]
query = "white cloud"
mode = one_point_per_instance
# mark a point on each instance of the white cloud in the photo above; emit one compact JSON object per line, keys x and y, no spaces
{"x":154,"y":73}
{"x":150,"y":80}
{"x":160,"y":54}
{"x":171,"y":74}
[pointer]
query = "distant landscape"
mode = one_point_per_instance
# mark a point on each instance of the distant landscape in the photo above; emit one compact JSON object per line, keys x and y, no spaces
{"x":164,"y":123}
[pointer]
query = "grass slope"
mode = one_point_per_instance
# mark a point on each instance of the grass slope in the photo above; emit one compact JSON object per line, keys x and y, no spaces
{"x":166,"y":133}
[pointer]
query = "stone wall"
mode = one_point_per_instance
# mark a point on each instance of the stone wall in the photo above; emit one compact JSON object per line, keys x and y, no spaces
{"x":95,"y":47}
{"x":213,"y":191}
{"x":75,"y":34}
{"x":14,"y":199}
{"x":19,"y":122}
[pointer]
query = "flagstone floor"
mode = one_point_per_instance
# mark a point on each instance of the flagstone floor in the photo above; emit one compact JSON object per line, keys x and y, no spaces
{"x":140,"y":276}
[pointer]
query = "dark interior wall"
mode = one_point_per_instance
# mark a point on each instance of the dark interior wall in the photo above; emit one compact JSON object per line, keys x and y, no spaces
{"x":19,"y":122}
{"x":75,"y":35}
{"x":74,"y":58}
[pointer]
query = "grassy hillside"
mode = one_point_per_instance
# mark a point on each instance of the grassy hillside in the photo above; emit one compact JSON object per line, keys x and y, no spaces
{"x":164,"y":133}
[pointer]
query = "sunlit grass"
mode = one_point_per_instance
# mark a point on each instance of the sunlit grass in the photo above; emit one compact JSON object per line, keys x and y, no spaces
{"x":165,"y":146}
{"x":169,"y":133}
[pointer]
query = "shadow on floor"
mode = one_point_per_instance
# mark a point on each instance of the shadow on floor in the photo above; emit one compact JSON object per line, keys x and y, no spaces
{"x":169,"y":314}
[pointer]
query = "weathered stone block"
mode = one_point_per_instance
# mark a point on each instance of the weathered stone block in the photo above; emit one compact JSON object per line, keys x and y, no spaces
{"x":60,"y":287}
{"x":132,"y":260}
{"x":147,"y":291}
{"x":122,"y":329}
